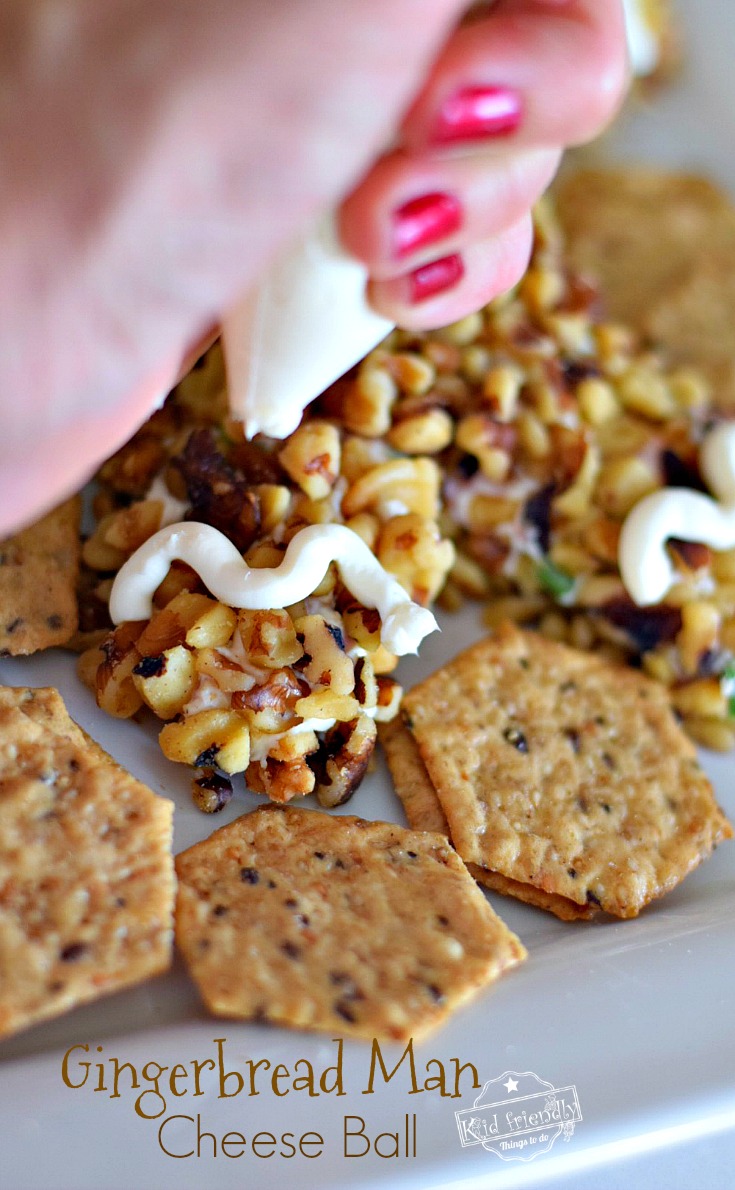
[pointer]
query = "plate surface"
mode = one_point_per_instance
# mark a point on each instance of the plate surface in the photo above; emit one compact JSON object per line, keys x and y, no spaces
{"x":636,"y":1015}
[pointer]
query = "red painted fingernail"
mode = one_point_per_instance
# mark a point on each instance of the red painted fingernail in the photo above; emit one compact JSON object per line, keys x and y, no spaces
{"x":478,"y":112}
{"x":424,"y":221}
{"x":435,"y":277}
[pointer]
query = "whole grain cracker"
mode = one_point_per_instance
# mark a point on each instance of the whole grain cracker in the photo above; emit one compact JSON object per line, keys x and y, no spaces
{"x":560,"y":770}
{"x":324,"y":922}
{"x":86,"y":874}
{"x":423,"y":811}
{"x":38,"y":578}
{"x":662,"y":246}
{"x":411,"y":780}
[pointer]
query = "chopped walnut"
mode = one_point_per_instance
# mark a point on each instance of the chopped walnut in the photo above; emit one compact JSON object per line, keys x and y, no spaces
{"x":342,"y":760}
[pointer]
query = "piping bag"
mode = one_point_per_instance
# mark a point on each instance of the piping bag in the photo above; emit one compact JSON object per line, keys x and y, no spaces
{"x":308,"y":321}
{"x":298,"y":331}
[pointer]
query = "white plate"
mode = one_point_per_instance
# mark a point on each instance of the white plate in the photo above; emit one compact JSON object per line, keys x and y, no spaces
{"x":636,"y":1015}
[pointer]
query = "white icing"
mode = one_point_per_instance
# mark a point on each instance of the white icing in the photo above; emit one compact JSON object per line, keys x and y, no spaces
{"x":387,"y":509}
{"x":237,"y":653}
{"x":173,"y":509}
{"x":459,"y":493}
{"x":206,"y":697}
{"x":643,"y":46}
{"x":226,"y":574}
{"x":158,"y":400}
{"x":645,"y":567}
{"x":306,"y":324}
{"x":522,"y":537}
{"x":260,"y":746}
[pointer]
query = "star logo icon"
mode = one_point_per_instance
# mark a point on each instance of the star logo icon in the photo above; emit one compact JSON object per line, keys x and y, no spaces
{"x":511,"y":1085}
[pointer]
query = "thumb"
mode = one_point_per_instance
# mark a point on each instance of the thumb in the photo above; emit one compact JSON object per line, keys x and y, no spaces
{"x":157,"y":162}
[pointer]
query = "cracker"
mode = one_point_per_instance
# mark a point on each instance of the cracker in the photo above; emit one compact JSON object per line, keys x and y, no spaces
{"x":557,"y":769}
{"x":411,"y":780}
{"x":322,"y":922}
{"x":561,"y":907}
{"x":38,"y":579}
{"x":86,"y":874}
{"x":423,"y":811}
{"x":45,"y":707}
{"x":662,"y":246}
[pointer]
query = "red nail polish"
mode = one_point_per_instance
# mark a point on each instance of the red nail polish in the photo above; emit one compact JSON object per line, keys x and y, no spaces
{"x":435,"y":277}
{"x":424,"y":221}
{"x":478,"y":112}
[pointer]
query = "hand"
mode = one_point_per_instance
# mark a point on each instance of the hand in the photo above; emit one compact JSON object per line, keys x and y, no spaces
{"x":443,"y":221}
{"x":158,"y":153}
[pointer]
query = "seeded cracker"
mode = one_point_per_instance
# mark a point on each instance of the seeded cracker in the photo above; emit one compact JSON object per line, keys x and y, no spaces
{"x":556,"y":769}
{"x":335,"y":923}
{"x":38,"y":578}
{"x":424,"y":812}
{"x":86,"y":876}
{"x":662,"y":247}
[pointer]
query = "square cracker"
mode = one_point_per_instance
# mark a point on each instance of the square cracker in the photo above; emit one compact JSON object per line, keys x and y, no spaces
{"x":557,"y":769}
{"x":39,"y":568}
{"x":641,"y":231}
{"x":424,"y":813}
{"x":662,"y":246}
{"x":325,"y":922}
{"x":86,"y":873}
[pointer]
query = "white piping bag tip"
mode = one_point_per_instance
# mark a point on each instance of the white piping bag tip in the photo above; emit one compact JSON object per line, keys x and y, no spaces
{"x":305,"y":325}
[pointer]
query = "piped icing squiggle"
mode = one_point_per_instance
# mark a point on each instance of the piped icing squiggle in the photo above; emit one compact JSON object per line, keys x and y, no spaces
{"x":229,"y":578}
{"x":645,"y":567}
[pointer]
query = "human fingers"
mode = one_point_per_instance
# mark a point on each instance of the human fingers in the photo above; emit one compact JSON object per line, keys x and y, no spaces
{"x":154,"y":165}
{"x":534,"y":72}
{"x":449,"y":287}
{"x":411,"y":209}
{"x":63,"y":455}
{"x":510,"y":90}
